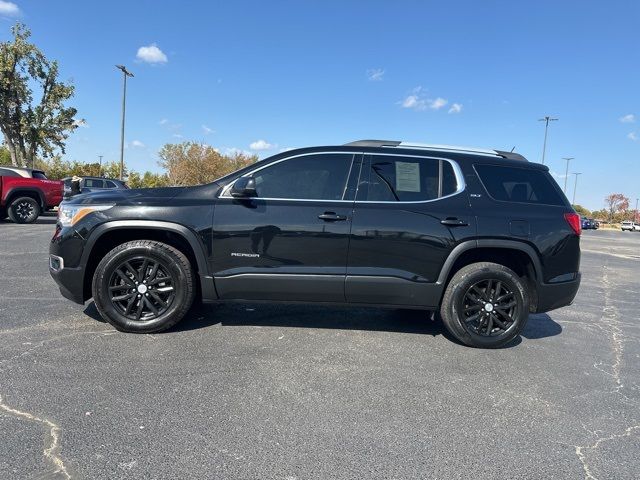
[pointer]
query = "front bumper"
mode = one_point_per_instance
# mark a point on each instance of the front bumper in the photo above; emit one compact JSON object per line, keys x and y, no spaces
{"x":556,"y":295}
{"x":70,"y":281}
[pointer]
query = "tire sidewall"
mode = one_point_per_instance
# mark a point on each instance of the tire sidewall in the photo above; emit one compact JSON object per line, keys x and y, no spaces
{"x":101,"y":293}
{"x":457,"y":298}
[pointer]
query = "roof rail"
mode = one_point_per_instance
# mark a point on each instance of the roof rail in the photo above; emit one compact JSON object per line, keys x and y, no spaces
{"x":373,"y":143}
{"x":451,"y":148}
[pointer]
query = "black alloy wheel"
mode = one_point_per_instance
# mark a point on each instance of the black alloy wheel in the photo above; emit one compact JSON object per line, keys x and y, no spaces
{"x":489,"y":308}
{"x":142,"y":288}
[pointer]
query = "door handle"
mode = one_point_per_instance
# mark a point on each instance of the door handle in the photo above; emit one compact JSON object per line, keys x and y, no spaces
{"x":331,"y":217}
{"x":453,"y":222}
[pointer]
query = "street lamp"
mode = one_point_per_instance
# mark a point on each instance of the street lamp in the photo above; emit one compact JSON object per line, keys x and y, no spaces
{"x":575,"y":187}
{"x":566,"y":172}
{"x":635,"y":217}
{"x":546,"y":121}
{"x":125,"y":74}
{"x":100,"y":167}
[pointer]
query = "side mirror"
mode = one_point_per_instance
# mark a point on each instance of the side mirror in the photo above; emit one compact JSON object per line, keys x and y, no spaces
{"x":244,"y":187}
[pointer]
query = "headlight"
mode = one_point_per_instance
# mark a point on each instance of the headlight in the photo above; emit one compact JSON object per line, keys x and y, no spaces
{"x":69,"y":215}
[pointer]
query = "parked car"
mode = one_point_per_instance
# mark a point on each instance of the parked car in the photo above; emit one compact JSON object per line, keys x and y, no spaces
{"x":482,"y":236}
{"x":25,"y":193}
{"x":92,"y":184}
{"x":594,"y":224}
{"x":586,"y":223}
{"x":630,"y":226}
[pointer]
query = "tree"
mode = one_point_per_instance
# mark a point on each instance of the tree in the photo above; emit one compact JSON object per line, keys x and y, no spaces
{"x":5,"y":155}
{"x":582,"y":211}
{"x":616,"y":203}
{"x":32,"y":127}
{"x":191,"y":163}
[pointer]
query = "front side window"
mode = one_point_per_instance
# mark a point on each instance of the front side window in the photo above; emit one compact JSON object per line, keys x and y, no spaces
{"x":310,"y":177}
{"x":393,"y":178}
{"x":109,"y":184}
{"x":522,"y":185}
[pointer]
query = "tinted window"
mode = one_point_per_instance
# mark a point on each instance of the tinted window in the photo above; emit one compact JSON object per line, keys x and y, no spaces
{"x":39,"y":175}
{"x":109,"y":184}
{"x":8,"y":173}
{"x":512,"y":184}
{"x":314,"y":177}
{"x":93,"y":183}
{"x":393,"y":178}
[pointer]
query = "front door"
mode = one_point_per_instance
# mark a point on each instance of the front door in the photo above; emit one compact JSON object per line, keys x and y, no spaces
{"x":290,"y":242}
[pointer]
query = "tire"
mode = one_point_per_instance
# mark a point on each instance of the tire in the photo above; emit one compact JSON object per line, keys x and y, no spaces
{"x":129,"y":306}
{"x":24,"y":210}
{"x":479,"y":300}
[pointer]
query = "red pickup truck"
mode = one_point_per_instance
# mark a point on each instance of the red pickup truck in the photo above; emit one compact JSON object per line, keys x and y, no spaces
{"x":25,"y":193}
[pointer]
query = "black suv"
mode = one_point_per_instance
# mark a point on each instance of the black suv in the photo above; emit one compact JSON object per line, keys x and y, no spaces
{"x":482,"y":236}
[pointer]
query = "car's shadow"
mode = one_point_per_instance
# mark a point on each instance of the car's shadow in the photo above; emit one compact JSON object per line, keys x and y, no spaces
{"x":343,"y":318}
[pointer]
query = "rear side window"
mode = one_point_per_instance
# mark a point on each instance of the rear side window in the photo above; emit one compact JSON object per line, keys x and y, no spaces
{"x":522,"y":185}
{"x":392,"y":178}
{"x":39,"y":175}
{"x":93,"y":183}
{"x":110,"y":184}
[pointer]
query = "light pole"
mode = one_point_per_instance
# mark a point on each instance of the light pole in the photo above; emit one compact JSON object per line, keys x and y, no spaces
{"x":100,"y":167}
{"x":635,"y":217}
{"x":566,"y":172}
{"x":546,"y":121}
{"x":575,"y":187}
{"x":125,"y":74}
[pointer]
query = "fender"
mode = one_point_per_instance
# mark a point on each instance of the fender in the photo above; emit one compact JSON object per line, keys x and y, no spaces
{"x":489,"y":243}
{"x":186,"y":233}
{"x":19,"y":190}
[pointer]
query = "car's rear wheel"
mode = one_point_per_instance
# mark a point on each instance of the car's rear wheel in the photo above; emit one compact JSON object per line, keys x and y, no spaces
{"x":143,"y":286}
{"x":485,"y":305}
{"x":24,"y":210}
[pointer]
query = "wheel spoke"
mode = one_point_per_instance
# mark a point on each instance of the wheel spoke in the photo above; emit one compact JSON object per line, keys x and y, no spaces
{"x":473,"y":318}
{"x":151,"y":305}
{"x":480,"y":292}
{"x":142,"y":273}
{"x":139,"y":311}
{"x":489,"y":324}
{"x":472,"y":308}
{"x":496,"y":292}
{"x":159,"y":280}
{"x":126,"y":296}
{"x":153,"y":273}
{"x":508,"y":305}
{"x":124,"y":277}
{"x":129,"y":305}
{"x":158,"y":298}
{"x":504,"y":314}
{"x":499,"y":323}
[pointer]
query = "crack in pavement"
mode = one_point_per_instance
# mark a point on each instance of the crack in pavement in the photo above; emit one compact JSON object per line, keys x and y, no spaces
{"x":588,"y":474}
{"x":51,"y":449}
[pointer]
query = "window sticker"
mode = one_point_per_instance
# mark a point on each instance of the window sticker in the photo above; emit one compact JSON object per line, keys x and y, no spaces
{"x":407,"y":177}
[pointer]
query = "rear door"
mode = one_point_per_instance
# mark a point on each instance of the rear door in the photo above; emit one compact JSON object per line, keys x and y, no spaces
{"x":410,"y":212}
{"x":291,"y":241}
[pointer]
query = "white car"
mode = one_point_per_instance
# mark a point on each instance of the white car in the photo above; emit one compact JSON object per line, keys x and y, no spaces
{"x":631,"y":226}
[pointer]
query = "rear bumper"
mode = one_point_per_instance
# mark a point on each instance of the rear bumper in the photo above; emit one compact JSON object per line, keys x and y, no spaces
{"x":556,"y":295}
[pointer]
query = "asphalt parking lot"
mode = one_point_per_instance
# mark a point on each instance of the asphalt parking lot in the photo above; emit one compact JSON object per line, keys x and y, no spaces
{"x":299,"y":392}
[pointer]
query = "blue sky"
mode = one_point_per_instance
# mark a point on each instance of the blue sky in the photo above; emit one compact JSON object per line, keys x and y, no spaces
{"x":280,"y":74}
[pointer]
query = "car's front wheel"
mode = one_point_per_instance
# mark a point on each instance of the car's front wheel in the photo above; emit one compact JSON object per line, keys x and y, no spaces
{"x":485,"y":305}
{"x":24,"y":210}
{"x":143,"y":286}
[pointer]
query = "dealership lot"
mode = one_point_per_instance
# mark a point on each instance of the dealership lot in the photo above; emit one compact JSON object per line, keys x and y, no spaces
{"x":274,"y":391}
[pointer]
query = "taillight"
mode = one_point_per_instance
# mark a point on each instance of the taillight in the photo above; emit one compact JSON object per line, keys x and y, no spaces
{"x":573,"y":219}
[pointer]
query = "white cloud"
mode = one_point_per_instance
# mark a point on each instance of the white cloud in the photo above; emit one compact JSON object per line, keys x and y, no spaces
{"x":151,"y":54}
{"x":9,"y":8}
{"x":137,"y":144}
{"x":81,"y":122}
{"x":177,"y":135}
{"x":633,"y":136}
{"x":164,"y":121}
{"x":375,"y":74}
{"x":630,"y":118}
{"x":206,"y":130}
{"x":261,"y":145}
{"x":418,"y":101}
{"x":455,"y":108}
{"x":237,"y":151}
